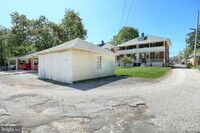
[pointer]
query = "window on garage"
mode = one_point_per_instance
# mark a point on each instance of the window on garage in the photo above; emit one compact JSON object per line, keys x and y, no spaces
{"x":99,"y":59}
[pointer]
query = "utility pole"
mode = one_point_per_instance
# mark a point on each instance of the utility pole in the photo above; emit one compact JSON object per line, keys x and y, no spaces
{"x":180,"y":57}
{"x":195,"y":43}
{"x":186,"y":54}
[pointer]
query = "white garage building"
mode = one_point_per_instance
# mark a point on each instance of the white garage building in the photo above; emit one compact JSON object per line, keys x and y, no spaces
{"x":74,"y":61}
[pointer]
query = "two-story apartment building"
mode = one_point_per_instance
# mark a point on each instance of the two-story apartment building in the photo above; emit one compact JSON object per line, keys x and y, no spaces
{"x":147,"y":50}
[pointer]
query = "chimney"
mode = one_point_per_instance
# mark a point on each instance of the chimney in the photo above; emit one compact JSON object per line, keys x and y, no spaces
{"x":142,"y":34}
{"x":102,"y":42}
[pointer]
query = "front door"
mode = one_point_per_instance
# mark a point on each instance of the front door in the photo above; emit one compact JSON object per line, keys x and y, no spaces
{"x":147,"y":57}
{"x":133,"y":56}
{"x":142,"y":58}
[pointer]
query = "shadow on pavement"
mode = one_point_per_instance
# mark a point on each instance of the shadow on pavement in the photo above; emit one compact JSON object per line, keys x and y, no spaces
{"x":17,"y":72}
{"x":88,"y":84}
{"x":179,"y":66}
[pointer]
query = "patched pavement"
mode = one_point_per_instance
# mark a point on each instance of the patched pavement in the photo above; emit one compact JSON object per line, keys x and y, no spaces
{"x":112,"y":104}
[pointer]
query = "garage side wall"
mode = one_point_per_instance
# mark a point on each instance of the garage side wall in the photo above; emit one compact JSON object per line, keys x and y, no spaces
{"x":56,"y":66}
{"x":41,"y":67}
{"x":85,"y":65}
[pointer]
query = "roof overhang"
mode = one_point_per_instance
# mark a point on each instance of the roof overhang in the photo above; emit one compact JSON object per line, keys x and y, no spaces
{"x":169,"y":42}
{"x":142,"y":42}
{"x":94,"y":51}
{"x":29,"y":56}
{"x":68,"y":49}
{"x":54,"y":51}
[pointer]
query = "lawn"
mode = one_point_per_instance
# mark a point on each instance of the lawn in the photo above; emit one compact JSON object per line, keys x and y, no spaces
{"x":142,"y":72}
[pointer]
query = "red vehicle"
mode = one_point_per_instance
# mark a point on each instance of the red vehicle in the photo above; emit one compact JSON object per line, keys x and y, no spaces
{"x":25,"y":66}
{"x":36,"y":67}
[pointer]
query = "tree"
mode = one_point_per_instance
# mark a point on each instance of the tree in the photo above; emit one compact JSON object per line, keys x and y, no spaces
{"x":45,"y":34}
{"x":73,"y":26}
{"x":126,"y":60}
{"x":20,"y":37}
{"x":190,"y":40}
{"x":5,"y":47}
{"x":28,"y":35}
{"x":125,"y":34}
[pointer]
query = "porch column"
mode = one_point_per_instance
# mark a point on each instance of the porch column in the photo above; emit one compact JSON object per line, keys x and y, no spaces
{"x":138,"y":57}
{"x":164,"y":51}
{"x":32,"y":63}
{"x":149,"y":58}
{"x":17,"y":64}
{"x":8,"y":63}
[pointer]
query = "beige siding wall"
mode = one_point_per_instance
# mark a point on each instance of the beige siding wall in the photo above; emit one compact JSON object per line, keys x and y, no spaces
{"x":197,"y":60}
{"x":85,"y":65}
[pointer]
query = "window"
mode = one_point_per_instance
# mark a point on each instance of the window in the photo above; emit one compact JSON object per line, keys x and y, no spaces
{"x":133,"y":56}
{"x":99,"y":62}
{"x":142,"y":38}
{"x":157,"y":55}
{"x":141,"y":55}
{"x":141,"y":46}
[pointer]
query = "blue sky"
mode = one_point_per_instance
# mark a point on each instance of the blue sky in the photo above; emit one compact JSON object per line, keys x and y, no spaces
{"x":166,"y":18}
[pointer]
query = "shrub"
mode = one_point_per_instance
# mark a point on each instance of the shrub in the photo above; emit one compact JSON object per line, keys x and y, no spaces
{"x":189,"y":65}
{"x":126,"y":60}
{"x":182,"y":63}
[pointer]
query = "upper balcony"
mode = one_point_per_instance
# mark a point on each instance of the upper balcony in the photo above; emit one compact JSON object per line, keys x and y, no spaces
{"x":142,"y":48}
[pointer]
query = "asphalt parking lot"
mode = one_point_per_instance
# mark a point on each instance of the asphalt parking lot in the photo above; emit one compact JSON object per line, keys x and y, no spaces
{"x":112,"y":104}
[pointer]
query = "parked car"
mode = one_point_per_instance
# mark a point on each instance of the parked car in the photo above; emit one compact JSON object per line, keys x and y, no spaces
{"x":4,"y":68}
{"x":171,"y":62}
{"x":12,"y":66}
{"x":36,"y":67}
{"x":25,"y":66}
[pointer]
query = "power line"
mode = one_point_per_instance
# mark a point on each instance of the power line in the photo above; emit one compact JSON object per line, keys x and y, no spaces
{"x":137,"y":3}
{"x":136,"y":6}
{"x":196,"y":34}
{"x":122,"y":14}
{"x":129,"y":11}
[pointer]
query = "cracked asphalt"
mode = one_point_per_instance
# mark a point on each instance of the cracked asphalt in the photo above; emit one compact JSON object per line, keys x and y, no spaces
{"x":107,"y":105}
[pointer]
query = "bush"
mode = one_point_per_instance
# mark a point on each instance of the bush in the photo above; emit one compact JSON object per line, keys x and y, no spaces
{"x":126,"y":60}
{"x":189,"y":65}
{"x":182,"y":63}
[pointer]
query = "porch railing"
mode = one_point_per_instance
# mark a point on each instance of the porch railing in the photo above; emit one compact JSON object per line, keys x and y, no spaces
{"x":155,"y":60}
{"x":147,"y":61}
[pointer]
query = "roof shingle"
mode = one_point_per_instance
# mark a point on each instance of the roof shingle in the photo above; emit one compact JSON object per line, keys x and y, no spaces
{"x":108,"y":46}
{"x":76,"y":44}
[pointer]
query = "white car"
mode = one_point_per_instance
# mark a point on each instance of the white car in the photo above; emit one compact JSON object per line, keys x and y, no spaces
{"x":12,"y":66}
